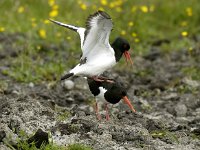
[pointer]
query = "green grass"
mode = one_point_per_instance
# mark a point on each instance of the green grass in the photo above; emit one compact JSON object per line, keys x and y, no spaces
{"x":141,"y":22}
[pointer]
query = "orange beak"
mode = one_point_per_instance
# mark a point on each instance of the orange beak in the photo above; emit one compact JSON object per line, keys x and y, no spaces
{"x":127,"y":101}
{"x":128,"y":57}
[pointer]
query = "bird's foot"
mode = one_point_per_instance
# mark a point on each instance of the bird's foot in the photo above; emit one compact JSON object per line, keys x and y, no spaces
{"x":98,"y":116}
{"x":102,"y":79}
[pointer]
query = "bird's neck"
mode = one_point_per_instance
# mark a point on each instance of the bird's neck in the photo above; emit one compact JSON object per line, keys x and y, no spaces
{"x":118,"y":54}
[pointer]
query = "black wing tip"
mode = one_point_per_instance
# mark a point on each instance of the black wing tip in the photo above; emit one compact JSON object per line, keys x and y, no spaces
{"x":104,"y":14}
{"x":99,"y":12}
{"x":52,"y":20}
{"x":66,"y":76}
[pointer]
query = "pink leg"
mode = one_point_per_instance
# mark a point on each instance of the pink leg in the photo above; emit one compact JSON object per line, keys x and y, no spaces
{"x":97,"y":111}
{"x":101,"y":79}
{"x":97,"y":79}
{"x":107,"y":113}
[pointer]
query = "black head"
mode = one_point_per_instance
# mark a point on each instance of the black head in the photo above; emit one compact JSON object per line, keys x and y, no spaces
{"x":121,"y":46}
{"x":115,"y":93}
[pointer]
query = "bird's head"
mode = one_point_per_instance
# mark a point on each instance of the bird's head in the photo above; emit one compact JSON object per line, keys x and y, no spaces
{"x":122,"y":46}
{"x":116,"y":93}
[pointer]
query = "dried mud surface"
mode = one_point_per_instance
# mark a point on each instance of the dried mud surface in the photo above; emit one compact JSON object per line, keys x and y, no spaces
{"x":166,"y":99}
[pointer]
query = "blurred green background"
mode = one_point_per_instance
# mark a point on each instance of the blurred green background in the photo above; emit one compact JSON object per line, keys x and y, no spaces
{"x":45,"y":50}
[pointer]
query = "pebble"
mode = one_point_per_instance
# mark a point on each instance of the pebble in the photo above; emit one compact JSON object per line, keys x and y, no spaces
{"x":31,"y":84}
{"x":181,"y":110}
{"x":68,"y":84}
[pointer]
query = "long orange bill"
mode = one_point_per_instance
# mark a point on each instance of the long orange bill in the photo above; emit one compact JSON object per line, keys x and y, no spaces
{"x":128,"y":57}
{"x":127,"y":101}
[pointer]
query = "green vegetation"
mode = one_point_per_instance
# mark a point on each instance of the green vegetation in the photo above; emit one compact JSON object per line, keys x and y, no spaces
{"x":46,"y":50}
{"x":165,"y":135}
{"x":62,"y":115}
{"x":23,"y":145}
{"x":193,"y":72}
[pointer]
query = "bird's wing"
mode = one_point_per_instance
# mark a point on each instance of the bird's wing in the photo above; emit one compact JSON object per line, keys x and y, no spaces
{"x":98,"y":28}
{"x":80,"y":30}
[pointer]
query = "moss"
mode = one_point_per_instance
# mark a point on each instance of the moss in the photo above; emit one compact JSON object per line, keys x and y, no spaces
{"x":164,"y":134}
{"x":62,"y":115}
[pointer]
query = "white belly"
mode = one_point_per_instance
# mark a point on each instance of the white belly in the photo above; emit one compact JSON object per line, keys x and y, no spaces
{"x":95,"y":66}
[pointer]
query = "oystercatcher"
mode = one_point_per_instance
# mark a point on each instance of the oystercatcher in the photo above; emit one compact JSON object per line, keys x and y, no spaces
{"x":109,"y":93}
{"x":97,"y":54}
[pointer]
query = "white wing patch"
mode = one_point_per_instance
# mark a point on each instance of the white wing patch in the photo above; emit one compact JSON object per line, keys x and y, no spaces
{"x":81,"y":32}
{"x":98,"y":28}
{"x":100,"y":97}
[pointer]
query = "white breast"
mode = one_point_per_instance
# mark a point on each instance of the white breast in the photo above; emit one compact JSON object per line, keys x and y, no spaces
{"x":100,"y":97}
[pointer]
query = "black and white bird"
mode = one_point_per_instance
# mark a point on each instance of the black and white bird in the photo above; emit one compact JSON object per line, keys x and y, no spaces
{"x":108,"y":93}
{"x":97,"y":53}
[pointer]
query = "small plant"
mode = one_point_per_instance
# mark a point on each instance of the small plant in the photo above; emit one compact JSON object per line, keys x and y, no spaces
{"x":164,"y":134}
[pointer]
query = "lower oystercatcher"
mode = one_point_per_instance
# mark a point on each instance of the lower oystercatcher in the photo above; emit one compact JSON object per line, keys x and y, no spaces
{"x":109,"y":92}
{"x":97,"y":54}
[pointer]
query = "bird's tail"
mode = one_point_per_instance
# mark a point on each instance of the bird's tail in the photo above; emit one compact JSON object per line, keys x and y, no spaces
{"x":66,"y":76}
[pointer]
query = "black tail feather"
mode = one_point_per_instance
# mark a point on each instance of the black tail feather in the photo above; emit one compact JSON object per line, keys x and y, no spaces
{"x":67,"y":76}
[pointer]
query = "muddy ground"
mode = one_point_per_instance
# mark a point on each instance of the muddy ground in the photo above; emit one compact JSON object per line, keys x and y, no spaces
{"x":166,"y":98}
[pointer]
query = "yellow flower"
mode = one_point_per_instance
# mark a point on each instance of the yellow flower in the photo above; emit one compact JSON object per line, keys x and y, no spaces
{"x":51,"y":2}
{"x":2,"y":29}
{"x":184,"y":23}
{"x":130,"y":24}
{"x":83,"y":6}
{"x":134,"y":34}
{"x":190,"y":49}
{"x":118,"y":9}
{"x":42,"y":33}
{"x":101,"y":8}
{"x":103,"y":2}
{"x":33,"y":19}
{"x":137,"y":40}
{"x":20,"y":9}
{"x":184,"y":33}
{"x":54,"y":7}
{"x":33,"y":24}
{"x":152,"y":8}
{"x":134,"y":8}
{"x":118,"y":2}
{"x":69,"y":38}
{"x":189,"y":11}
{"x":46,"y":21}
{"x":58,"y":34}
{"x":123,"y":32}
{"x":79,"y":2}
{"x":112,"y":5}
{"x":144,"y":9}
{"x":38,"y":47}
{"x":53,"y":13}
